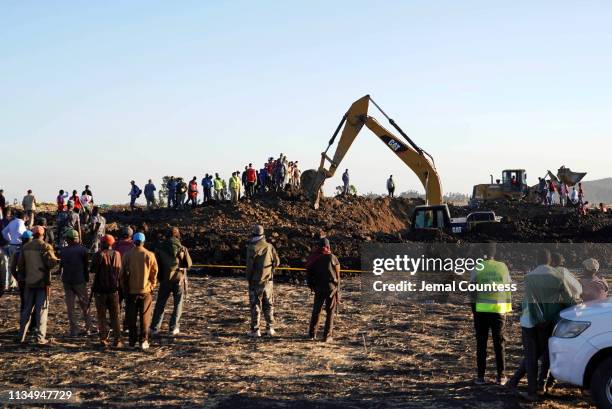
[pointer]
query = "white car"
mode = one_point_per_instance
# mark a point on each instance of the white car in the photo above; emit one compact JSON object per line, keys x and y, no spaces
{"x":581,"y":349}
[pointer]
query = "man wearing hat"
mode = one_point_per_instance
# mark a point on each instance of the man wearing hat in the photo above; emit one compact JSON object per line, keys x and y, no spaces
{"x":261,"y":261}
{"x":593,"y":286}
{"x":323,"y":270}
{"x":36,"y":261}
{"x":139,"y":277}
{"x":75,"y":276}
{"x":173,"y":260}
{"x":123,"y":245}
{"x":106,"y":268}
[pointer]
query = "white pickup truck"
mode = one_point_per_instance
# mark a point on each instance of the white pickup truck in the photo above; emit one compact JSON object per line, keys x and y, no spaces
{"x":581,"y":349}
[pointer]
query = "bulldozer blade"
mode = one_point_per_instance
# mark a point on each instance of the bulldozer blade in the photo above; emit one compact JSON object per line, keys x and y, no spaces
{"x":568,"y":177}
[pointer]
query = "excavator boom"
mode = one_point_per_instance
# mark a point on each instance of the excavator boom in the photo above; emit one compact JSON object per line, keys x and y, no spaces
{"x":351,"y":124}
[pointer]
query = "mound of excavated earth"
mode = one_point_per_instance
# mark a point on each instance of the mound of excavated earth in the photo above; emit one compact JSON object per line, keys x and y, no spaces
{"x":217,"y":233}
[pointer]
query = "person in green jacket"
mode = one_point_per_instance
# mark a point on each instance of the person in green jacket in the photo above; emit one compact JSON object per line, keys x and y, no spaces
{"x":547,"y":292}
{"x":173,"y":260}
{"x":261,"y":260}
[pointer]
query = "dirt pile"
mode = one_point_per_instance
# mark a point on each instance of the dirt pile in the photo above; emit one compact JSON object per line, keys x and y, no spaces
{"x":217,"y":233}
{"x":526,"y":223}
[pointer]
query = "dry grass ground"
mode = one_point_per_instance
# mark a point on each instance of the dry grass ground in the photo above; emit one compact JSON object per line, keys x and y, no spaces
{"x":383,"y":356}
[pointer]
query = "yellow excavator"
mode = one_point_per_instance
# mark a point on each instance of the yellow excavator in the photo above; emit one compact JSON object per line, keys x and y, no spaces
{"x":434,"y":214}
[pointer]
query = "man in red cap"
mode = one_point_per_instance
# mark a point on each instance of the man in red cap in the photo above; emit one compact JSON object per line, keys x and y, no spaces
{"x":106,"y":268}
{"x":36,"y":261}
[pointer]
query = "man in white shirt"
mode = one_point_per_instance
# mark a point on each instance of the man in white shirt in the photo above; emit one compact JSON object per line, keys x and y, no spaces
{"x":12,"y":234}
{"x":574,"y":196}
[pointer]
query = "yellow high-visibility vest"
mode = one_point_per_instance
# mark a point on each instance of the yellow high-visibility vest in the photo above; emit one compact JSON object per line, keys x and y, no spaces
{"x":499,"y":302}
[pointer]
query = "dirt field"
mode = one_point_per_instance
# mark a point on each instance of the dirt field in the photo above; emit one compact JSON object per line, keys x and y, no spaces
{"x":383,"y":356}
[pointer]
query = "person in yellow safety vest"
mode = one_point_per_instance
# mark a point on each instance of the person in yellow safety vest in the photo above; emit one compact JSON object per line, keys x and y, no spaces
{"x":234,"y":184}
{"x":218,"y":186}
{"x":490,"y":309}
{"x":224,"y":190}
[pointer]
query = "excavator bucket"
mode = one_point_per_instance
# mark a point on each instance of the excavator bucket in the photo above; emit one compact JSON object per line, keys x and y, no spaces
{"x":312,"y":181}
{"x":568,"y":177}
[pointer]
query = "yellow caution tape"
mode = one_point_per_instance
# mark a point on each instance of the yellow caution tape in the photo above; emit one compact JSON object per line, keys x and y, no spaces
{"x":277,"y":268}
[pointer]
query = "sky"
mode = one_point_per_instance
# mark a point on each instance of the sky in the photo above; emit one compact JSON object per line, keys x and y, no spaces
{"x":100,"y":93}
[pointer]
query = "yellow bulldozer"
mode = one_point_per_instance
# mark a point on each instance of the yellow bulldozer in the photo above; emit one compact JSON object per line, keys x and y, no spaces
{"x":513,"y":186}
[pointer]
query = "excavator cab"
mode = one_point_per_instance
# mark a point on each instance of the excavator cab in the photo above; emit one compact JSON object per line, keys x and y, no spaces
{"x":430,"y":217}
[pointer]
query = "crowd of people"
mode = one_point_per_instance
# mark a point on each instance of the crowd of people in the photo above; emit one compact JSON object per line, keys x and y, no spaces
{"x":548,"y":288}
{"x":121,"y":275}
{"x":551,"y":192}
{"x":275,"y":175}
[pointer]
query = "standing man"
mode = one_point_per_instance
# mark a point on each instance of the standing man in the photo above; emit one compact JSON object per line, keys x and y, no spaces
{"x":36,"y":261}
{"x":123,"y":246}
{"x":243,"y":179}
{"x":345,"y":183}
{"x":125,"y":243}
{"x":234,"y":185}
{"x":207,"y":188}
{"x":139,"y":271}
{"x":171,"y":192}
{"x":87,"y":202}
{"x":29,"y":207}
{"x":149,"y":192}
{"x":106,"y":268}
{"x":261,"y":261}
{"x":12,"y":233}
{"x":391,"y":186}
{"x":67,"y":220}
{"x":546,"y":294}
{"x":97,"y":228}
{"x":18,"y":274}
{"x":490,"y":309}
{"x":87,"y":191}
{"x":61,"y":200}
{"x":173,"y":260}
{"x":251,"y":180}
{"x":218,"y":184}
{"x":580,"y":193}
{"x":76,"y":201}
{"x":552,"y":189}
{"x":193,"y":192}
{"x":75,"y":276}
{"x":49,"y":235}
{"x":323,"y":276}
{"x":134,"y":194}
{"x":181,"y":193}
{"x":563,"y":194}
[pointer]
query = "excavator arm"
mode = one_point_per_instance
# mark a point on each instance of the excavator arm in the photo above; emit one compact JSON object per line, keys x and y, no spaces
{"x":351,"y":124}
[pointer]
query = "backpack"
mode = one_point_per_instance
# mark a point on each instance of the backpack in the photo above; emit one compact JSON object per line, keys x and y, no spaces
{"x":108,"y":274}
{"x":172,"y":267}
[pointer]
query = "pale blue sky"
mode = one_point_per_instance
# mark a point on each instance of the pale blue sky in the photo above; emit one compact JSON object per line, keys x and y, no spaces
{"x":105,"y":92}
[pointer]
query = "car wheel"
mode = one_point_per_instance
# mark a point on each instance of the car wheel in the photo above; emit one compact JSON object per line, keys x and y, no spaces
{"x":601,"y":385}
